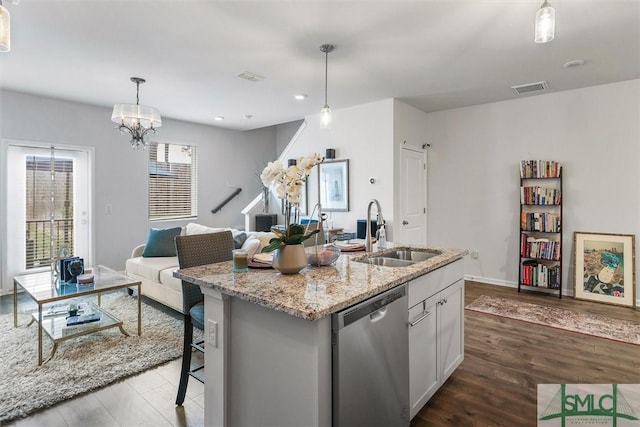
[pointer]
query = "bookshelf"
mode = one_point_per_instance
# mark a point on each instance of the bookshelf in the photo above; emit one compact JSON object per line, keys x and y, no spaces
{"x":541,"y":198}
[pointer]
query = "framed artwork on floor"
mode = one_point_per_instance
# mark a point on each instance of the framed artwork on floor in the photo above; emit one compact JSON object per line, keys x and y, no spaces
{"x":333,"y":185}
{"x":604,"y":268}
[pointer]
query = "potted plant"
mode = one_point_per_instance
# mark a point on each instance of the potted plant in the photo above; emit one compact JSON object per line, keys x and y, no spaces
{"x":289,"y":256}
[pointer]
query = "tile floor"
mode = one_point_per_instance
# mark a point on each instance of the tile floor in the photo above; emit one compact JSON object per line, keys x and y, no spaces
{"x":147,"y":399}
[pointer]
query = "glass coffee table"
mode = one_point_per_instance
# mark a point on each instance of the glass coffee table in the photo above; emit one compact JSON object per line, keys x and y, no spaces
{"x":44,"y":290}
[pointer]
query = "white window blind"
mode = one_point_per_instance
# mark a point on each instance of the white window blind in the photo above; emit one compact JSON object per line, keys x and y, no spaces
{"x":173,"y":181}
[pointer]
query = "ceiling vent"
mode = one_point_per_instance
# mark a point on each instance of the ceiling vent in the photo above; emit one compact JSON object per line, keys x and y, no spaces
{"x":252,"y":77}
{"x":530,"y":87}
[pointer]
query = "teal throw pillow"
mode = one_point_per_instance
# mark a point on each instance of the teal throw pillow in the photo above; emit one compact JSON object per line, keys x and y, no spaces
{"x":161,"y":242}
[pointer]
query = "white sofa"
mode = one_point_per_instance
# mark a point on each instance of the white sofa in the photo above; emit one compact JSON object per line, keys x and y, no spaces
{"x":156,"y":273}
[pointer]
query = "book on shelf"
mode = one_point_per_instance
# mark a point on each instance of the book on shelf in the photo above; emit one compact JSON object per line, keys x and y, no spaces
{"x":540,"y":275}
{"x":78,"y":328}
{"x":84,"y":318}
{"x":541,"y":248}
{"x":539,"y":169}
{"x":540,"y":196}
{"x":540,"y":221}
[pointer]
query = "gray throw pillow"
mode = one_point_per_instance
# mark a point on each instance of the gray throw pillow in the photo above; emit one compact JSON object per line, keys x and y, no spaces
{"x":239,"y":238}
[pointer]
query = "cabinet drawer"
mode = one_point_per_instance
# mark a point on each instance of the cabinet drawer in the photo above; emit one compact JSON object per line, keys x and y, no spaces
{"x":431,"y":283}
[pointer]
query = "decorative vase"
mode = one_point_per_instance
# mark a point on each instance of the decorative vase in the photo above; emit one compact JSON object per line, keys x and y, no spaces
{"x":290,"y":259}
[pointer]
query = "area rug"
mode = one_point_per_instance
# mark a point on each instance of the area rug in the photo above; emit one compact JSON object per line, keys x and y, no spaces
{"x":583,"y":323}
{"x":81,"y":364}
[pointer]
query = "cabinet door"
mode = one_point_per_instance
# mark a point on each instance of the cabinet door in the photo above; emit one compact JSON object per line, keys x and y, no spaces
{"x":451,"y":328}
{"x":424,"y":377}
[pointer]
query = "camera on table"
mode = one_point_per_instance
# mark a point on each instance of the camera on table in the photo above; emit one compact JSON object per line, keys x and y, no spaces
{"x":70,"y":268}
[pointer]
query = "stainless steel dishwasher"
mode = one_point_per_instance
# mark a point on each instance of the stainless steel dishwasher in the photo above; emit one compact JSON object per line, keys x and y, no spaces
{"x":371,"y":362}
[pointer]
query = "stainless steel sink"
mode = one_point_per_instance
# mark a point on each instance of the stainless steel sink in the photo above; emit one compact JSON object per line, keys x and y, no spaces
{"x":411,"y":255}
{"x":399,"y":257}
{"x":386,"y":262}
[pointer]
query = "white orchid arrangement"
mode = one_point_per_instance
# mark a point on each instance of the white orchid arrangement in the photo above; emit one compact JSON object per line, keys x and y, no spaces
{"x":288,"y":184}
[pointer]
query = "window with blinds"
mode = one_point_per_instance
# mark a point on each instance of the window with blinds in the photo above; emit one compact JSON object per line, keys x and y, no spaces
{"x":173,"y":179}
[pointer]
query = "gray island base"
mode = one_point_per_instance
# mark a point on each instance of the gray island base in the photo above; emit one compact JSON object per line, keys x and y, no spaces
{"x":268,"y":358}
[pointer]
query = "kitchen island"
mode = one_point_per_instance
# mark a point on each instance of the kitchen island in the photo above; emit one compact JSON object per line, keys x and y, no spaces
{"x":268,"y":336}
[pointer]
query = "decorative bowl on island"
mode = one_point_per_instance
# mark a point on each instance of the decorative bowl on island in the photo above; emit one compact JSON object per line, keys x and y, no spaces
{"x":322,"y":254}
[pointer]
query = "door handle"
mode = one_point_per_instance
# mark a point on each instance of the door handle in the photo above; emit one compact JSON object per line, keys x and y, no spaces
{"x":423,"y":316}
{"x":405,"y":222}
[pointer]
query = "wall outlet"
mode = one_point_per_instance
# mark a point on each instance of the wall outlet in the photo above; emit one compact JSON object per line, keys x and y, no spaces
{"x":213,"y":333}
{"x":475,"y":254}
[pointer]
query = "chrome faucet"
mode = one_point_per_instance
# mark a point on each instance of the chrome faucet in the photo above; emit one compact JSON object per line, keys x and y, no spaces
{"x":367,"y":239}
{"x":321,"y":225}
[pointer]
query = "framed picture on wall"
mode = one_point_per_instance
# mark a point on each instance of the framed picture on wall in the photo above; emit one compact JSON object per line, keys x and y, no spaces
{"x":333,"y":185}
{"x":604,"y":268}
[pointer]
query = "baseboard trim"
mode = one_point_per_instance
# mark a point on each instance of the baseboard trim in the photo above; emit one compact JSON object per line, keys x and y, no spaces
{"x":491,"y":281}
{"x":505,"y":283}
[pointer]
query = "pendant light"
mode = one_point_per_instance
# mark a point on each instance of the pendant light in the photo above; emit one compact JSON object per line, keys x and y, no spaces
{"x":137,"y":120}
{"x":5,"y":24}
{"x":325,"y":113}
{"x":545,"y":23}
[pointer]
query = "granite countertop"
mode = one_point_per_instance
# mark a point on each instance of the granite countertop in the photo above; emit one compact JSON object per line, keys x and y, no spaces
{"x":315,"y":292}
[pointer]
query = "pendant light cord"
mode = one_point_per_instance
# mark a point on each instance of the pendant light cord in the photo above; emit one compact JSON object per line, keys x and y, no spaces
{"x":326,"y":74}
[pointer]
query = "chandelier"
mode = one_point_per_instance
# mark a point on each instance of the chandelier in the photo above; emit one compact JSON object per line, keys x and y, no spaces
{"x":137,"y":120}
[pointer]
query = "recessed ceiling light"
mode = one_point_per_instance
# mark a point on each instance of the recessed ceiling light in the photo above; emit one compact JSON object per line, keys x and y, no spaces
{"x":300,"y":96}
{"x":252,"y":77}
{"x":574,"y":63}
{"x":218,"y":118}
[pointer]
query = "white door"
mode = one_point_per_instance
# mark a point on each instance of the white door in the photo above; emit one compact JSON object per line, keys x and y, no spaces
{"x":47,"y":207}
{"x":413,"y":197}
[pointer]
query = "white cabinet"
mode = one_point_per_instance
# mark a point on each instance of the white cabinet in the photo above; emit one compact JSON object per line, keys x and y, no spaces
{"x":451,"y":328}
{"x":424,"y":378}
{"x":436,"y":334}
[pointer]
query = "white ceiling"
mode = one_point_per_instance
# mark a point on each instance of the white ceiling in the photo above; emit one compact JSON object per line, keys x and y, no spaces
{"x":434,"y":55}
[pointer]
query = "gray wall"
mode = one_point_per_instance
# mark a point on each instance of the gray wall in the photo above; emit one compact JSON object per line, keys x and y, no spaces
{"x":473,"y":176}
{"x":473,"y":171}
{"x":227,"y":160}
{"x":284,"y":133}
{"x":364,"y":135}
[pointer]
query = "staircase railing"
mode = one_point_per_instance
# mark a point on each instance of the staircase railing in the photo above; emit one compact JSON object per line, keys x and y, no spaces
{"x":227,"y":200}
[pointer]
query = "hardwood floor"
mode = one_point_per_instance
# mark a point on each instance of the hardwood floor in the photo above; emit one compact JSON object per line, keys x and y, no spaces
{"x":505,"y":359}
{"x":495,"y":386}
{"x":147,"y":399}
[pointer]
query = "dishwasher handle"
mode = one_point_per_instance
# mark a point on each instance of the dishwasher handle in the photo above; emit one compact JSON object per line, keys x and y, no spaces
{"x":378,"y":315}
{"x":374,"y":307}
